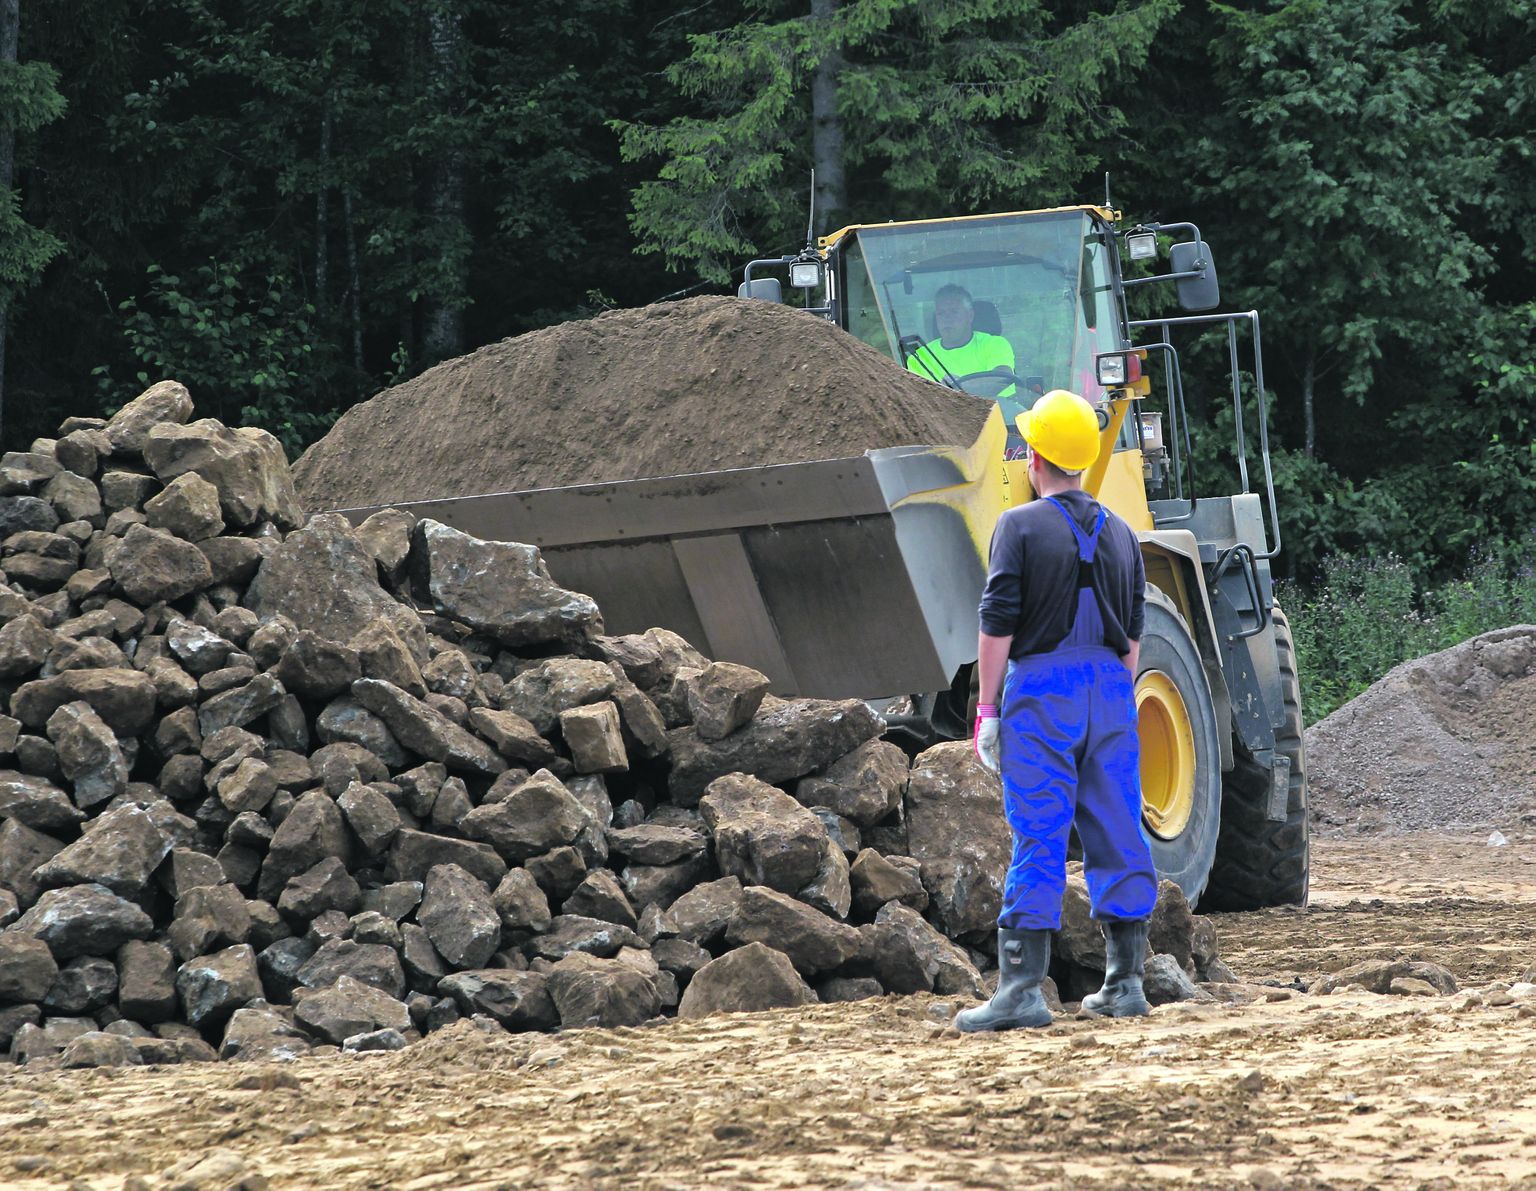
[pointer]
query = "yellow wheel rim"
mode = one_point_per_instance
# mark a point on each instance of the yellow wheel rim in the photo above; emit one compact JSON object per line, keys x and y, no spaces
{"x":1167,"y":755}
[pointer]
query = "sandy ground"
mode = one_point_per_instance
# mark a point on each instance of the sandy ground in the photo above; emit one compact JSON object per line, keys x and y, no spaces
{"x":1346,"y":1090}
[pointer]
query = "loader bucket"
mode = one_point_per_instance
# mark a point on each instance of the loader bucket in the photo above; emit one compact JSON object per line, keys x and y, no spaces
{"x":855,"y":577}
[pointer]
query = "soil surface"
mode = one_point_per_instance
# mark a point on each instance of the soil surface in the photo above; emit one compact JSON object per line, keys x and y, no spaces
{"x":1340,"y":1091}
{"x":699,"y":385}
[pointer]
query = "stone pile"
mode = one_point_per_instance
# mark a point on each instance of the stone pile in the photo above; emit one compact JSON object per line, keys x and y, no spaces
{"x":273,"y":785}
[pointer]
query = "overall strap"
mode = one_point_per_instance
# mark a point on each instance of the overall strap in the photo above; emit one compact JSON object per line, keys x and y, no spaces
{"x":1087,"y":543}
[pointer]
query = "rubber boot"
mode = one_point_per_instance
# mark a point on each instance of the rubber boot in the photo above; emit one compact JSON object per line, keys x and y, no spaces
{"x":1125,"y":956}
{"x":1022,"y":959}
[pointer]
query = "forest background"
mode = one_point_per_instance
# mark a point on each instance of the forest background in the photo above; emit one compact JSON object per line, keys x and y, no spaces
{"x":292,"y":204}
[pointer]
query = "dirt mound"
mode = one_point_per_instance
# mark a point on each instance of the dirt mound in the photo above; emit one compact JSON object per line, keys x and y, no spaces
{"x":1444,"y":742}
{"x":692,"y":386}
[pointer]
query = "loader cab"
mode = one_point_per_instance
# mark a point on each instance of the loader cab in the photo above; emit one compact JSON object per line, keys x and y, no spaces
{"x":1043,"y":281}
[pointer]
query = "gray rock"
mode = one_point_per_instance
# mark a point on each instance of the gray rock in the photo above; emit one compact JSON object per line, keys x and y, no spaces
{"x":513,"y":737}
{"x":188,"y":508}
{"x":83,"y":920}
{"x":723,"y":697}
{"x":120,"y":850}
{"x":98,"y":1049}
{"x":24,"y":471}
{"x":347,"y":1008}
{"x":21,"y":513}
{"x":382,"y":1040}
{"x":24,"y":643}
{"x":262,"y":1035}
{"x":536,"y":815}
{"x":501,"y":589}
{"x":540,"y":693}
{"x":830,"y":891}
{"x":246,"y":465}
{"x":426,"y":731}
{"x":373,"y":964}
{"x":146,"y":981}
{"x":1165,"y":982}
{"x":81,"y":451}
{"x":313,"y":830}
{"x":865,"y":786}
{"x":326,"y":886}
{"x":748,"y":980}
{"x":83,"y":985}
{"x":75,"y":498}
{"x":241,"y":706}
{"x":166,"y":401}
{"x":877,"y":879}
{"x":703,"y":913}
{"x":347,"y":720}
{"x":568,"y":933}
{"x":414,"y":853}
{"x":588,"y":991}
{"x":34,"y":802}
{"x":1079,"y":940}
{"x":279,"y":963}
{"x":387,"y":536}
{"x":250,"y":787}
{"x":910,"y":956}
{"x":656,"y":843}
{"x":849,"y":988}
{"x":124,"y":698}
{"x":459,"y":916}
{"x":374,"y":820}
{"x":27,"y":968}
{"x":956,"y":830}
{"x":594,"y":736}
{"x":813,"y":942}
{"x":520,"y":902}
{"x":383,"y":654}
{"x":323,"y":577}
{"x":12,"y":1019}
{"x":762,"y":835}
{"x":1172,"y":928}
{"x":515,"y":1000}
{"x":794,"y":738}
{"x":601,"y":896}
{"x":151,"y":565}
{"x":206,"y":918}
{"x":187,"y":869}
{"x":212,"y":987}
{"x":316,"y":668}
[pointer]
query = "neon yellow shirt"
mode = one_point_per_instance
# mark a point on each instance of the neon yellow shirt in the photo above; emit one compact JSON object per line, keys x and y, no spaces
{"x":981,"y":353}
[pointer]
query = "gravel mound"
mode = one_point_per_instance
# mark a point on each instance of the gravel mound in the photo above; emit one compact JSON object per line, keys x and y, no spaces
{"x":1445,"y":742}
{"x":700,"y":385}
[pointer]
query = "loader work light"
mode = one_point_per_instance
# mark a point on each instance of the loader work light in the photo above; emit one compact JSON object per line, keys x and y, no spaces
{"x":805,"y":274}
{"x":1142,"y":245}
{"x":1115,"y":370}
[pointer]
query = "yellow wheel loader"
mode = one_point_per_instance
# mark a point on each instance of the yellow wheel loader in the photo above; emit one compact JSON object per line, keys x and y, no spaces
{"x":861,"y":576}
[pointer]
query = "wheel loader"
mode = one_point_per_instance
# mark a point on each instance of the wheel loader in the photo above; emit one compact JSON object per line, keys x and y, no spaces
{"x":861,"y":576}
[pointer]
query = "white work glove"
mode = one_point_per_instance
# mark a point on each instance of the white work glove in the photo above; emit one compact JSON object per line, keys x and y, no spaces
{"x":987,"y":741}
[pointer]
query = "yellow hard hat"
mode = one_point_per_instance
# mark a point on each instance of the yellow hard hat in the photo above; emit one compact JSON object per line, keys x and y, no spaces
{"x":1063,"y":428}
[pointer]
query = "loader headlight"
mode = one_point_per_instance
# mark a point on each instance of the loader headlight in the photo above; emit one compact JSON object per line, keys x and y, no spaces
{"x":1117,"y":369}
{"x":1141,"y":245}
{"x":805,"y":274}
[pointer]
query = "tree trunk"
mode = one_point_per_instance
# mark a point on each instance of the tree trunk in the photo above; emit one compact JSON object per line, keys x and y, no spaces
{"x":322,"y":213}
{"x":827,"y":130}
{"x":444,"y":332}
{"x":1308,"y":384}
{"x":10,"y":28}
{"x":354,"y":283}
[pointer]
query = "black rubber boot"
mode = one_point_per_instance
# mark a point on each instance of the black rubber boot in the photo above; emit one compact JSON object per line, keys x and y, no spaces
{"x":1125,"y":957}
{"x":1022,"y":958}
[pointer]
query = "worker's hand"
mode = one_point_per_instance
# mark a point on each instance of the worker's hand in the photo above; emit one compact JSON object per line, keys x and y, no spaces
{"x":987,"y":740}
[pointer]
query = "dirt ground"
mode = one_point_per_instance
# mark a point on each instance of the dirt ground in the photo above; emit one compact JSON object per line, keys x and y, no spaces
{"x":1344,"y":1090}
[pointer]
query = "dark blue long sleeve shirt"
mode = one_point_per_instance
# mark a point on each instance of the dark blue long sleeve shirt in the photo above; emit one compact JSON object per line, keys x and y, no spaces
{"x":1032,"y":581}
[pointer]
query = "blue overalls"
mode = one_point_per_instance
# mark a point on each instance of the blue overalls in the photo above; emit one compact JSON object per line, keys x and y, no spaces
{"x":1069,"y":747}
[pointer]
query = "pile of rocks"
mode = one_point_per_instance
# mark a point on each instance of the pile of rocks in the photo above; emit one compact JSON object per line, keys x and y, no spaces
{"x":278,"y":785}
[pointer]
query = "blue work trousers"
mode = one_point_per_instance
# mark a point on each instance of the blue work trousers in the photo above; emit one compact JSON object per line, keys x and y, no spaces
{"x":1069,"y":749}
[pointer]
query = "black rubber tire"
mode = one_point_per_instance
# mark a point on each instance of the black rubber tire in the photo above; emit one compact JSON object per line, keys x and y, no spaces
{"x":1166,"y":645}
{"x":1259,"y":861}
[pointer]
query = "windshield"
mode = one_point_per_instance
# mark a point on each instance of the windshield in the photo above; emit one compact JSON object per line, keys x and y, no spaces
{"x":1005,"y":308}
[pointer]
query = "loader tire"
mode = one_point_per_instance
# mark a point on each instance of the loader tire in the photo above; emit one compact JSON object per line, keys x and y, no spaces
{"x":1180,"y":751}
{"x":1260,"y":861}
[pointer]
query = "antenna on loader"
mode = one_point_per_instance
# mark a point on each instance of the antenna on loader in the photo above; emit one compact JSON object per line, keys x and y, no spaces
{"x":810,"y":223}
{"x":1108,"y":206}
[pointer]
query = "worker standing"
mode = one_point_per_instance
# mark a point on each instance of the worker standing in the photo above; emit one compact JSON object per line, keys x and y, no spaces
{"x":1062,"y":615}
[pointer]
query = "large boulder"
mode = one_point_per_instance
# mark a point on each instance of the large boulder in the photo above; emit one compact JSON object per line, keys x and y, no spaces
{"x":540,"y":693}
{"x":791,"y":739}
{"x":813,"y":942}
{"x":146,"y":981}
{"x":908,"y":955}
{"x":313,"y":830}
{"x":723,"y":697}
{"x":956,"y":830}
{"x":246,"y":465}
{"x":865,"y":786}
{"x":703,"y":913}
{"x":26,"y":799}
{"x":516,"y":1000}
{"x":589,"y":991}
{"x":83,"y":920}
{"x":414,"y":853}
{"x":536,"y":815}
{"x":501,"y":589}
{"x":762,"y":835}
{"x":165,"y":402}
{"x":151,"y":565}
{"x":325,"y":579}
{"x":350,"y":1007}
{"x":425,"y":730}
{"x":747,"y":980}
{"x":459,"y":916}
{"x":27,"y":968}
{"x":123,"y":698}
{"x":89,"y":754}
{"x":119,"y":850}
{"x":212,"y":987}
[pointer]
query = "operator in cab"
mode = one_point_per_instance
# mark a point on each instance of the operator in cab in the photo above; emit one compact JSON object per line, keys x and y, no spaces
{"x":960,"y":350}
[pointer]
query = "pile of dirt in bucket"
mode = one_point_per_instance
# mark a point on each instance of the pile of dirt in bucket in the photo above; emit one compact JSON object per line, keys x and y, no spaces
{"x":701,"y":385}
{"x":1443,"y":742}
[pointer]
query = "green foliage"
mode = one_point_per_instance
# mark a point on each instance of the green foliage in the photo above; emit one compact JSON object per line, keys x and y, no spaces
{"x":243,"y":346}
{"x":29,"y":99}
{"x":1366,"y":615}
{"x":946,"y":106}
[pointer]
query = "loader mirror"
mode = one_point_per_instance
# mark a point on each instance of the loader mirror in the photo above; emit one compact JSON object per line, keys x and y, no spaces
{"x":1201,"y":292}
{"x":766,"y":289}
